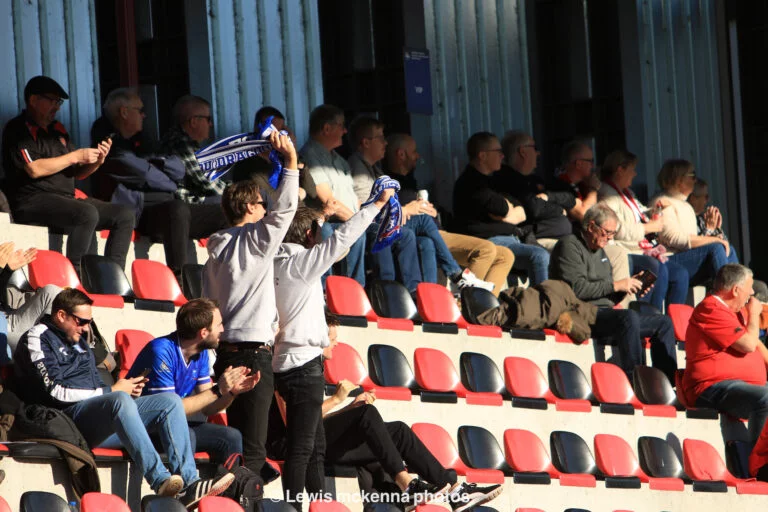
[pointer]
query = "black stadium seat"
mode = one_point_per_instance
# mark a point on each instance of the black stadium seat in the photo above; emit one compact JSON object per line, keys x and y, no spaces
{"x":479,"y":449}
{"x":154,"y":503}
{"x":481,"y":375}
{"x":39,"y":501}
{"x":387,"y":366}
{"x":475,"y":301}
{"x":653,"y":387}
{"x":102,"y":275}
{"x":566,"y":380}
{"x":570,"y":454}
{"x":391,"y":299}
{"x":658,"y":459}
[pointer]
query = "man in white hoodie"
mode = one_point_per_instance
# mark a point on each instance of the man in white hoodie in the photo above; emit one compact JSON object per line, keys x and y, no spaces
{"x":239,"y":275}
{"x":298,"y":363}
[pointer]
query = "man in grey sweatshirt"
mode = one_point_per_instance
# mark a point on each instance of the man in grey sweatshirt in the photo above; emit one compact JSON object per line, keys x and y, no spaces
{"x":239,"y":275}
{"x":298,"y":363}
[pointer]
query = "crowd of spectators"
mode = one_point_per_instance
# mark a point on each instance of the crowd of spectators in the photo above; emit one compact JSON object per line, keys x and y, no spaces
{"x":269,"y":253}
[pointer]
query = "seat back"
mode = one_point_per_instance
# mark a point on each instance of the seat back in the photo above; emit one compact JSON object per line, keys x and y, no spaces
{"x":702,"y":462}
{"x":615,"y":457}
{"x":653,"y":387}
{"x":192,"y":280}
{"x":346,"y":363}
{"x":611,"y":385}
{"x":388,"y":367}
{"x":154,"y":503}
{"x":51,"y":267}
{"x":440,"y":444}
{"x":102,"y":275}
{"x":272,"y":505}
{"x":475,"y":301}
{"x":391,"y":299}
{"x":679,"y":391}
{"x":435,"y":371}
{"x":155,"y":281}
{"x":681,"y":316}
{"x":219,"y":504}
{"x":327,"y":506}
{"x":346,"y":297}
{"x":570,"y":454}
{"x":98,"y":502}
{"x":4,"y":506}
{"x":480,"y":374}
{"x":479,"y":449}
{"x":41,"y":501}
{"x":566,"y":380}
{"x":129,"y":343}
{"x":658,"y":459}
{"x":525,"y":452}
{"x":19,"y":280}
{"x":523,"y":378}
{"x":436,"y":304}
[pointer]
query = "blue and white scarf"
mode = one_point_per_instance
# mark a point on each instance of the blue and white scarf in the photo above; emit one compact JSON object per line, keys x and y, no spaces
{"x":390,"y":217}
{"x":218,"y":158}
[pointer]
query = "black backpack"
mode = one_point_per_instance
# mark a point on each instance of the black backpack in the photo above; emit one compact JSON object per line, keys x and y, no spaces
{"x":248,"y":487}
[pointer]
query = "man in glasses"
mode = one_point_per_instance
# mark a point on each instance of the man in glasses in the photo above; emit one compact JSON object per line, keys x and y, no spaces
{"x":41,"y":164}
{"x":577,"y":179}
{"x":192,"y":124}
{"x":580,"y":260}
{"x":55,"y":368}
{"x":139,"y":176}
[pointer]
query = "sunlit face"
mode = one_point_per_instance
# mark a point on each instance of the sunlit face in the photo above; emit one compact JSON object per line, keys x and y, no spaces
{"x":742,"y":292}
{"x":699,"y":202}
{"x":686,"y":183}
{"x":211,"y":340}
{"x":599,"y":236}
{"x":333,"y":337}
{"x":44,"y":107}
{"x":198,"y":125}
{"x":493,"y":155}
{"x":335,"y":131}
{"x":376,"y":144}
{"x":259,"y":209}
{"x":625,"y":175}
{"x":76,"y":324}
{"x":133,"y":116}
{"x":583,"y":163}
{"x":529,"y":155}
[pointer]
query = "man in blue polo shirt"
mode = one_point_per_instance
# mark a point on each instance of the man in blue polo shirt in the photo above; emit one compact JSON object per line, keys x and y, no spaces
{"x":179,"y":363}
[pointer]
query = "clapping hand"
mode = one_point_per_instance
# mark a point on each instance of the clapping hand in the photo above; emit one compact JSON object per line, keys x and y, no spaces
{"x":15,"y":259}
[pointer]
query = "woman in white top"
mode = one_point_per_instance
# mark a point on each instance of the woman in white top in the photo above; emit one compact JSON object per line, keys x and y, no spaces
{"x":636,"y":223}
{"x":701,"y":255}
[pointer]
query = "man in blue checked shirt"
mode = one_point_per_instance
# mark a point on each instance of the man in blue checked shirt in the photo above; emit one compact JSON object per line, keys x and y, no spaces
{"x":179,"y":363}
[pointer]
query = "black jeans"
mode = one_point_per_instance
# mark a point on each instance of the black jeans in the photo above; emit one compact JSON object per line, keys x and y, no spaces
{"x":249,"y":411}
{"x":79,"y":218}
{"x":302,"y":389}
{"x":627,"y":329}
{"x":175,"y":222}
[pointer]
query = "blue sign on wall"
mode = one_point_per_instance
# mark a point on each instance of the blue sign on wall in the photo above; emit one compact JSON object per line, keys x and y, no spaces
{"x":418,"y":81}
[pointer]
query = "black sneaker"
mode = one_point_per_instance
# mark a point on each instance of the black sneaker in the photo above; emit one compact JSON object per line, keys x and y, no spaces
{"x":191,"y":496}
{"x":420,"y":492}
{"x":466,"y":495}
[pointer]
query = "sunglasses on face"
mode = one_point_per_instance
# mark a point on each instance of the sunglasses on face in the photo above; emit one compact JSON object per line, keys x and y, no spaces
{"x":81,"y":322}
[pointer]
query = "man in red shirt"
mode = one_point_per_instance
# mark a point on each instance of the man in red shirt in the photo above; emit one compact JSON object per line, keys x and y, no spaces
{"x":726,"y":361}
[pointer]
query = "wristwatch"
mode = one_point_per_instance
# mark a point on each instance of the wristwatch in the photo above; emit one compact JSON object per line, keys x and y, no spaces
{"x":217,"y":390}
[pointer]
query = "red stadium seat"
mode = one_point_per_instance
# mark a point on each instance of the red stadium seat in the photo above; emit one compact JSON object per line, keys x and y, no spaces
{"x":680,"y":315}
{"x":346,"y":363}
{"x":436,"y":372}
{"x":51,"y":267}
{"x":611,"y":386}
{"x":615,"y":458}
{"x":346,"y":297}
{"x":79,"y":194}
{"x":4,"y":506}
{"x":129,"y":342}
{"x":702,"y":463}
{"x":219,"y":504}
{"x":98,"y":502}
{"x":326,"y":506}
{"x":440,"y":444}
{"x":154,"y":281}
{"x":525,"y":454}
{"x":563,"y":338}
{"x":437,"y":305}
{"x":220,"y":418}
{"x":528,"y":509}
{"x":524,"y":380}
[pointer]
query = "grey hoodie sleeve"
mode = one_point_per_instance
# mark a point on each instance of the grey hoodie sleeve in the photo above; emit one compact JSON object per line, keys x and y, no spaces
{"x":311,"y":264}
{"x":265,"y":237}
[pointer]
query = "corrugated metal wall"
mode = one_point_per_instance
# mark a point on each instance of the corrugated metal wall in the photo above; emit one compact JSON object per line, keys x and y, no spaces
{"x":479,"y":60}
{"x":259,"y":53}
{"x":671,"y":88}
{"x":56,"y":38}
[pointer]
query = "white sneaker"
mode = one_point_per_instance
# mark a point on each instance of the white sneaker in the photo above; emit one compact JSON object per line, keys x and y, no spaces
{"x":469,"y":279}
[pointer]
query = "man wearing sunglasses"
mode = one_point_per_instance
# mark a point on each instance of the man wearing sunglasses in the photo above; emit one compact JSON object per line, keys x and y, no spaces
{"x":41,"y":164}
{"x":580,"y":260}
{"x":55,"y":368}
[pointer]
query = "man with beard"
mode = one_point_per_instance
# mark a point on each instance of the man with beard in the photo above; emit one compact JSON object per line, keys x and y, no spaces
{"x":178,"y":363}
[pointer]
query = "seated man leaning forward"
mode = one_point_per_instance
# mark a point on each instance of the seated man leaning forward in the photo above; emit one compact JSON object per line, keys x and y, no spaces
{"x":178,"y":363}
{"x":725,"y":359}
{"x":580,"y":261}
{"x":55,"y":367}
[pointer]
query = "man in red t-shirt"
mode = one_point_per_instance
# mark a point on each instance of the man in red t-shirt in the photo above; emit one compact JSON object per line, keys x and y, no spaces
{"x":725,"y":359}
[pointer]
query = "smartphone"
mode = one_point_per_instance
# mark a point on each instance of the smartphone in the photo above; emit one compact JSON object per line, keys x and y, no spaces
{"x":110,"y":136}
{"x":145,"y":372}
{"x":647,"y":278}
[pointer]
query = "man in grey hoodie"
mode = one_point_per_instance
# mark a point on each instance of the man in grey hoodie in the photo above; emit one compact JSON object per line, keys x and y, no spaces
{"x":239,"y":275}
{"x":298,"y":363}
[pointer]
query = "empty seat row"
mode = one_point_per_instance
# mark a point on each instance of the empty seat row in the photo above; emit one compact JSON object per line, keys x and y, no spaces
{"x":39,"y":501}
{"x":526,"y":459}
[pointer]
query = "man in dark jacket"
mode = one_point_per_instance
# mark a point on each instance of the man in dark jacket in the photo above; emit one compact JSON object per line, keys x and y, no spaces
{"x":580,"y":261}
{"x":138,"y":177}
{"x":56,"y":368}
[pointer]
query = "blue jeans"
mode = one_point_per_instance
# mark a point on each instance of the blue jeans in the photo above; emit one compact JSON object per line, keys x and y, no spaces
{"x":531,"y":258}
{"x":218,"y":440}
{"x":739,"y":399}
{"x":5,"y":350}
{"x":355,"y":260}
{"x":432,"y":249}
{"x":702,"y":263}
{"x":671,"y":280}
{"x":116,"y":420}
{"x":404,"y":248}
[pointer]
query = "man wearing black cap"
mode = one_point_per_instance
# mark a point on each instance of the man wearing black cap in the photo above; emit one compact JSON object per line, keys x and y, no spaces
{"x":41,"y":164}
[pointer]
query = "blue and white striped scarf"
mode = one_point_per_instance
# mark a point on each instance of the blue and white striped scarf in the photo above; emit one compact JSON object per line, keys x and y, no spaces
{"x":390,"y":217}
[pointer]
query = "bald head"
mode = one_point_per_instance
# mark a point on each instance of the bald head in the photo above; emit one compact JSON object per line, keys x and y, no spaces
{"x":401,"y":156}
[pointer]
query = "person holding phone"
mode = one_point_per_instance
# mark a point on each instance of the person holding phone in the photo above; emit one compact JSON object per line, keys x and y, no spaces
{"x":580,"y":261}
